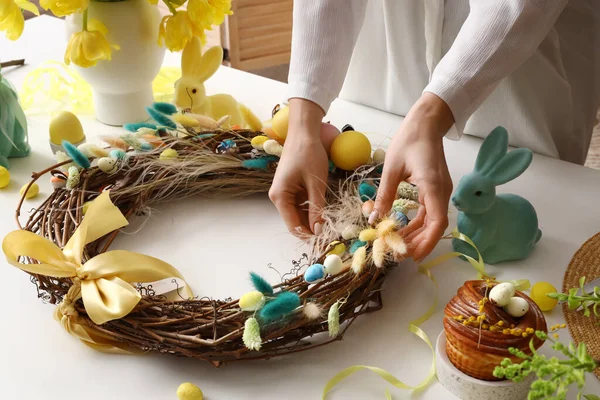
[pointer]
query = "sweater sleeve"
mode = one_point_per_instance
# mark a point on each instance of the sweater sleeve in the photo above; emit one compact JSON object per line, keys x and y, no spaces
{"x":496,"y":38}
{"x":323,"y":39}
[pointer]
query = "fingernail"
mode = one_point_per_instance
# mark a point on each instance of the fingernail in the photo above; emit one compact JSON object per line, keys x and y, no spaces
{"x":373,"y":217}
{"x":318,"y":229}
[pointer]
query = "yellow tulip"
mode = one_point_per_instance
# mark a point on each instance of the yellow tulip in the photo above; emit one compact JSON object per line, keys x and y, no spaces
{"x":201,"y":13}
{"x":220,"y":9}
{"x":177,"y":30}
{"x":11,"y":19}
{"x":62,"y":8}
{"x":88,"y":47}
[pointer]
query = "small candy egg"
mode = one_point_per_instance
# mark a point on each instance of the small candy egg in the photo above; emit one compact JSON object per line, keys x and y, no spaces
{"x":4,"y":177}
{"x":337,"y":248}
{"x":58,"y":182}
{"x":539,"y":293}
{"x":85,"y":207}
{"x":314,"y":273}
{"x":333,"y":264}
{"x":90,"y":150}
{"x":350,"y":150}
{"x":351,"y":232}
{"x":367,"y":191}
{"x":328,"y":134}
{"x":108,"y":165}
{"x":367,"y":208}
{"x":367,"y":235}
{"x":257,"y":142}
{"x":379,"y":156}
{"x":517,"y":307}
{"x":273,"y":147}
{"x":168,"y":155}
{"x":189,"y":391}
{"x":117,"y":154}
{"x":252,"y":301}
{"x":32,"y":192}
{"x":501,"y":294}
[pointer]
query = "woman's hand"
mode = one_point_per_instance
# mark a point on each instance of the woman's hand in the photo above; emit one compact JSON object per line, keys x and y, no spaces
{"x":416,"y":155}
{"x":300,"y":182}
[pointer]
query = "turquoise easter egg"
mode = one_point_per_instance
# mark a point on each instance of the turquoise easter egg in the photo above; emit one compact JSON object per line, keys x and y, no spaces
{"x":117,"y":154}
{"x":314,"y":273}
{"x":357,"y":244}
{"x":367,"y":192}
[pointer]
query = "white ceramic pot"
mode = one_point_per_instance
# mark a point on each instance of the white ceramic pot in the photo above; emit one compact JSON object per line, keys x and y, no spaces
{"x":122,"y":87}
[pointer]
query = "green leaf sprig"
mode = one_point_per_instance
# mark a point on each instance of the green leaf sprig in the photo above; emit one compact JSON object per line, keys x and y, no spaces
{"x":590,"y":302}
{"x":554,"y":376}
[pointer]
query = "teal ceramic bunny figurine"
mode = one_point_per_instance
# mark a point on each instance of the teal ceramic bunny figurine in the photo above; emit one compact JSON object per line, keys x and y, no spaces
{"x":504,"y":227}
{"x":13,"y":125}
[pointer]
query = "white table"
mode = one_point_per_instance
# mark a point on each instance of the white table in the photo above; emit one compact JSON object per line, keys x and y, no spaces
{"x":39,"y":360}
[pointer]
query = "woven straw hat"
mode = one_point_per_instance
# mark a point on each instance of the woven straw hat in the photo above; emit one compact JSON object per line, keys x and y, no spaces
{"x":586,"y":262}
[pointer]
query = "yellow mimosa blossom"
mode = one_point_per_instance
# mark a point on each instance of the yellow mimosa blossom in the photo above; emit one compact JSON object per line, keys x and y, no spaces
{"x":177,"y":30}
{"x":11,"y":17}
{"x":201,"y":13}
{"x":220,"y":9}
{"x":62,"y":8}
{"x":86,"y":48}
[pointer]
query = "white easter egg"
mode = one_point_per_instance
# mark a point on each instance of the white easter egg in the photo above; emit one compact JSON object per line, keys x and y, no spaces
{"x":333,"y":264}
{"x":378,"y":156}
{"x":351,"y":232}
{"x":107,"y":165}
{"x":501,"y":293}
{"x":517,"y":307}
{"x":273,"y":147}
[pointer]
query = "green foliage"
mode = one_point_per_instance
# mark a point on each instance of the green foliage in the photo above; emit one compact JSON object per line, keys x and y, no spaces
{"x":590,"y":302}
{"x":554,"y":376}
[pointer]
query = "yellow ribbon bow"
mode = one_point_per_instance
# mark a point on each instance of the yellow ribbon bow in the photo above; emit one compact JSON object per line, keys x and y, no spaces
{"x":103,"y":282}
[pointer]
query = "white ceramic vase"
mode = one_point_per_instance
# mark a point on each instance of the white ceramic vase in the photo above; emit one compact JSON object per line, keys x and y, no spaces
{"x":122,"y":87}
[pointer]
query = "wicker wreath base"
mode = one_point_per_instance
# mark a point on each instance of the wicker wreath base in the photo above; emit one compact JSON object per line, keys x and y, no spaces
{"x":203,"y":328}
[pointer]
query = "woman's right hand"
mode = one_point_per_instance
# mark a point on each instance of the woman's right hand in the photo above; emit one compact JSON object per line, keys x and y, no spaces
{"x":300,"y":182}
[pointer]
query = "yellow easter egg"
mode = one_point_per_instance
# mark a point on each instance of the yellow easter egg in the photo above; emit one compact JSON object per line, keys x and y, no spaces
{"x":66,"y":126}
{"x":85,"y":207}
{"x":350,"y":150}
{"x":4,"y":177}
{"x":337,"y":248}
{"x":33,"y":191}
{"x":280,"y":123}
{"x":258,"y":142}
{"x":367,"y":235}
{"x":251,"y":301}
{"x":538,"y":295}
{"x":168,"y":155}
{"x":189,"y":391}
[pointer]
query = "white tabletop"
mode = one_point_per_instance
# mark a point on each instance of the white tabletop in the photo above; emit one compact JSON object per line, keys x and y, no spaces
{"x":227,"y":239}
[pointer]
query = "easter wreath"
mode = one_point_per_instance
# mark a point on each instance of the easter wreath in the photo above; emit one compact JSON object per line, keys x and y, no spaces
{"x":112,"y":308}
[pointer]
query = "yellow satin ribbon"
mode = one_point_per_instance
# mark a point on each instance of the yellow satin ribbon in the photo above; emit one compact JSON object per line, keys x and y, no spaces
{"x":103,"y":282}
{"x":414,"y":326}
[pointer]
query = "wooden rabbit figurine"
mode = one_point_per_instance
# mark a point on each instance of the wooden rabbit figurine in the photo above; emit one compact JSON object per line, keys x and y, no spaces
{"x":13,"y":125}
{"x":190,"y":95}
{"x":504,"y":227}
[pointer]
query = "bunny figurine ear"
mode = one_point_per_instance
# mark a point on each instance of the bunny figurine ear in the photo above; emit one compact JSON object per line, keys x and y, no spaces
{"x":494,"y":147}
{"x":510,"y":166}
{"x":211,"y":61}
{"x":191,"y":57}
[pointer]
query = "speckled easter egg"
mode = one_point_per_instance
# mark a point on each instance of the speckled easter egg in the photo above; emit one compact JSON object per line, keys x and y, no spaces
{"x":539,"y":293}
{"x":32,"y":192}
{"x":501,"y":294}
{"x":107,"y":165}
{"x":251,"y":301}
{"x":350,"y":150}
{"x":517,"y":307}
{"x":4,"y":177}
{"x":314,"y":273}
{"x":189,"y":391}
{"x":328,"y":134}
{"x":58,"y":182}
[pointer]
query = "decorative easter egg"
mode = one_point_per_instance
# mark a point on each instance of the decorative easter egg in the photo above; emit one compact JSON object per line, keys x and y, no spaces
{"x":367,"y":191}
{"x":314,"y":273}
{"x":367,"y":208}
{"x":350,"y":150}
{"x":168,"y":155}
{"x":351,"y":232}
{"x":108,"y":165}
{"x":279,"y":123}
{"x":117,"y":154}
{"x":252,"y":301}
{"x":333,"y":264}
{"x":189,"y":391}
{"x":357,"y":244}
{"x":517,"y":307}
{"x":32,"y":192}
{"x":58,"y":182}
{"x":258,"y":142}
{"x":337,"y":248}
{"x":66,"y":126}
{"x":367,"y":235}
{"x":4,"y":177}
{"x":400,"y":217}
{"x":501,"y":294}
{"x":273,"y":147}
{"x":90,"y":150}
{"x":539,"y":293}
{"x":85,"y":207}
{"x":328,"y":134}
{"x":379,"y":156}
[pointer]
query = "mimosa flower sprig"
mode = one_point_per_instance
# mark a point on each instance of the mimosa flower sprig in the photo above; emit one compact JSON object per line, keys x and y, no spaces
{"x":590,"y":302}
{"x":554,"y":376}
{"x":188,"y":18}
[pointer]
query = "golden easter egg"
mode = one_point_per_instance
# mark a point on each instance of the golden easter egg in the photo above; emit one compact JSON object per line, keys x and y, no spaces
{"x":189,"y":391}
{"x":280,"y":123}
{"x":66,"y":126}
{"x":33,"y":191}
{"x":350,"y":150}
{"x":4,"y":177}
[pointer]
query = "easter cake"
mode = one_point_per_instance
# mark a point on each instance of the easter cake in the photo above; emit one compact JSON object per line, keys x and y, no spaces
{"x":484,"y":320}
